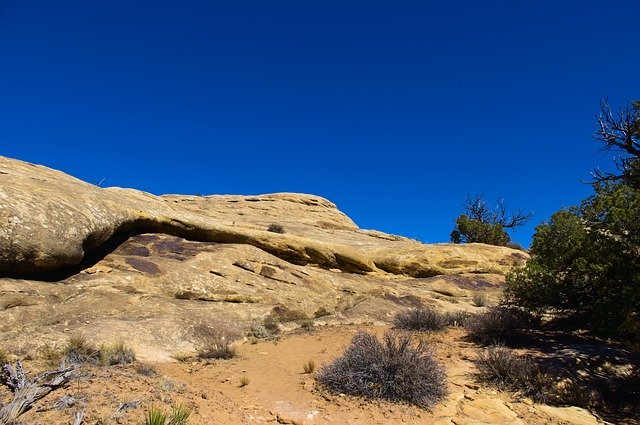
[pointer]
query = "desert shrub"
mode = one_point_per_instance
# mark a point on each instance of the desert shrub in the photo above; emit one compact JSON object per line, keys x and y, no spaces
{"x":258,"y":330}
{"x":275,"y":228}
{"x":396,"y":369}
{"x":244,"y":381}
{"x":145,"y":370}
{"x":272,"y":324}
{"x":269,"y":328}
{"x":219,"y":349}
{"x":457,"y":318}
{"x":116,"y":354}
{"x":499,"y":325}
{"x":420,"y":319}
{"x":503,"y":369}
{"x":479,"y":300}
{"x":306,"y":324}
{"x":179,"y":415}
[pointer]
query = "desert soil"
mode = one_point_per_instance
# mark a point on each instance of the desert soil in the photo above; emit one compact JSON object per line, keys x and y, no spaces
{"x":278,"y":390}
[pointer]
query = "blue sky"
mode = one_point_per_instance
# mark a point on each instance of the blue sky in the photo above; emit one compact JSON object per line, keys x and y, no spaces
{"x":394,"y":110}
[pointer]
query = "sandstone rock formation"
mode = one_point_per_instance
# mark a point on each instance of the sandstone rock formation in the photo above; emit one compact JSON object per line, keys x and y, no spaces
{"x":165,"y":270}
{"x":50,"y":221}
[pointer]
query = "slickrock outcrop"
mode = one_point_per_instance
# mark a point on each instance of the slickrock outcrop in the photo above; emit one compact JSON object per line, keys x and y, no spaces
{"x":165,"y":270}
{"x":51,"y":221}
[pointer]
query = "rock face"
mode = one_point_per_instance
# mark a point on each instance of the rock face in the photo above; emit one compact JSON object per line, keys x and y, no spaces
{"x":166,"y":272}
{"x":50,"y":221}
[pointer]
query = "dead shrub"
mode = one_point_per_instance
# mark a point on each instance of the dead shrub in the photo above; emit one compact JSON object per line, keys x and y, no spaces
{"x":501,"y":368}
{"x":457,"y":318}
{"x":479,"y":300}
{"x":420,"y":319}
{"x":272,"y":325}
{"x":499,"y":325}
{"x":275,"y":228}
{"x":395,"y":369}
{"x":145,"y":370}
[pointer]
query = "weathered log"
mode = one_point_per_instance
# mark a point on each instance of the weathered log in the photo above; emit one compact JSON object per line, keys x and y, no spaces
{"x":28,"y":391}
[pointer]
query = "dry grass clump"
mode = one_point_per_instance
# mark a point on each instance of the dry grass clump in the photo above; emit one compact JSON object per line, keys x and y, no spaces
{"x":179,"y":415}
{"x":396,"y":369}
{"x":420,"y":319}
{"x":309,"y":366}
{"x":219,"y":349}
{"x":498,"y":325}
{"x":78,"y":351}
{"x":4,"y":357}
{"x":115,"y":354}
{"x":501,"y":368}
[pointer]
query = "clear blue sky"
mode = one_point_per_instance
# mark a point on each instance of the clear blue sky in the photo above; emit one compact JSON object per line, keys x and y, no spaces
{"x":394,"y":110}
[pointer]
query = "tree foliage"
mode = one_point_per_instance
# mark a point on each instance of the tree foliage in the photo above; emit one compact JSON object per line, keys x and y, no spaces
{"x":586,"y":259}
{"x":483,"y":224}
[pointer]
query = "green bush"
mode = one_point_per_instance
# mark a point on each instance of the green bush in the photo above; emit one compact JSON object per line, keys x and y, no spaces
{"x":396,"y":369}
{"x":586,"y":264}
{"x":468,"y":230}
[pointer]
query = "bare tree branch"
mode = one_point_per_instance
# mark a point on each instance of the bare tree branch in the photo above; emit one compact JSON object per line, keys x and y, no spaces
{"x":619,"y":132}
{"x":477,"y":208}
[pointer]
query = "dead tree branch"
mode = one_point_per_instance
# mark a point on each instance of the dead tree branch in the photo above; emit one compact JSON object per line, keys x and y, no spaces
{"x":27,"y":391}
{"x":477,"y":208}
{"x":619,"y":133}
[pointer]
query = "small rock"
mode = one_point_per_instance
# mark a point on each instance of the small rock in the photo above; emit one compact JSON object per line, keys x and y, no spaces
{"x":472,"y":386}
